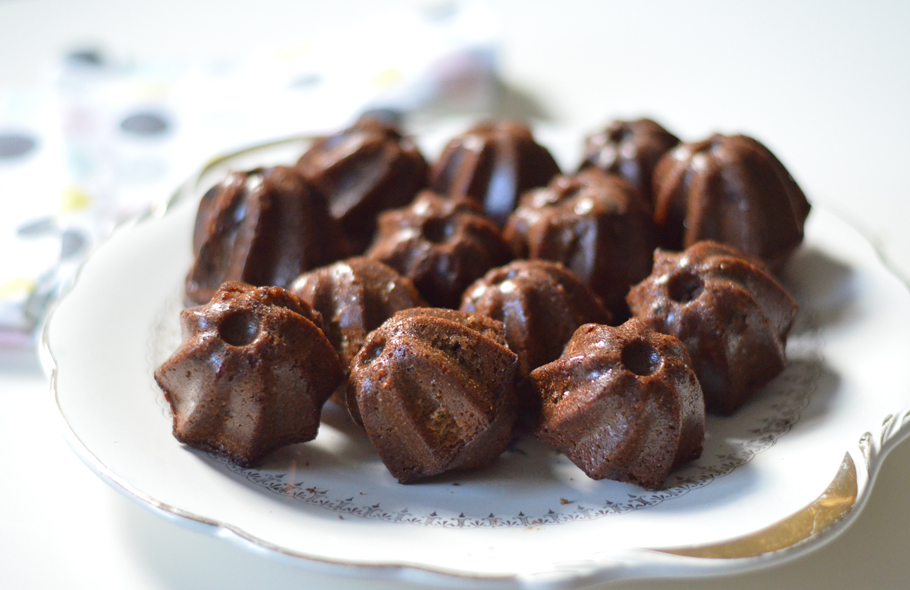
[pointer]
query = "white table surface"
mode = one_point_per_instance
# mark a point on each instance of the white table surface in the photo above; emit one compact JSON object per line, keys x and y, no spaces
{"x":826,"y":85}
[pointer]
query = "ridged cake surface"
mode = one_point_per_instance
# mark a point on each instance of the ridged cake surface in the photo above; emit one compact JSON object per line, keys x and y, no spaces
{"x":263,"y":227}
{"x":434,"y":391}
{"x":440,"y":243}
{"x":622,"y":403}
{"x":494,"y":163}
{"x":251,"y":374}
{"x":355,"y":296}
{"x":593,"y":223}
{"x":733,"y":190}
{"x":630,"y":149}
{"x":731,"y":313}
{"x":363,"y":170}
{"x":540,"y":303}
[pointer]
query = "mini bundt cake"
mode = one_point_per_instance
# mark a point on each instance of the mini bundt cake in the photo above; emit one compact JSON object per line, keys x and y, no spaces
{"x":434,"y":391}
{"x":441,"y":244}
{"x":593,"y":223}
{"x":263,"y":227}
{"x":541,"y":305}
{"x":494,"y":163}
{"x":732,"y":315}
{"x":733,"y":190}
{"x":355,"y":296}
{"x":630,"y":149}
{"x":532,"y":206}
{"x":622,"y":403}
{"x":251,"y":375}
{"x":363,"y":170}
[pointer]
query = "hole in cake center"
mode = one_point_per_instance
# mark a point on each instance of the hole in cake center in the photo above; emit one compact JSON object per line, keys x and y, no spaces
{"x":437,"y":231}
{"x":685,"y":287}
{"x":239,"y":328}
{"x":639,"y":358}
{"x":373,"y":351}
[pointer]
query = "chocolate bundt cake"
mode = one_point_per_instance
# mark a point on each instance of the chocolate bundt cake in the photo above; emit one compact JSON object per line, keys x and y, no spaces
{"x":622,"y":403}
{"x":354,"y":296}
{"x":263,"y":227}
{"x":363,"y":170}
{"x":541,"y":305}
{"x":441,"y":244}
{"x":434,"y":391}
{"x":251,"y":375}
{"x":593,"y":223}
{"x":732,"y":315}
{"x":494,"y":163}
{"x":729,"y":189}
{"x":630,"y":149}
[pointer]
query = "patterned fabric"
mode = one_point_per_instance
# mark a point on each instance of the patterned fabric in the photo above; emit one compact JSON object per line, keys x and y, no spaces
{"x":107,"y":139}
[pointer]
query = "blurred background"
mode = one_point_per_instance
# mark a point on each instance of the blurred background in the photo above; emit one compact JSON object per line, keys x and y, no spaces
{"x":106,"y":106}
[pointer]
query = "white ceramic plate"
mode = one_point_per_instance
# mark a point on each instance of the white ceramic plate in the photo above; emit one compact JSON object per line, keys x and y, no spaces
{"x":785,"y":474}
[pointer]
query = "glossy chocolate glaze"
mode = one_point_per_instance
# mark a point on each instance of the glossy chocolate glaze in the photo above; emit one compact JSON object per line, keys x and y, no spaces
{"x":593,"y":223}
{"x":494,"y":163}
{"x":733,"y":190}
{"x":364,"y":170}
{"x":630,"y":149}
{"x":263,"y":227}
